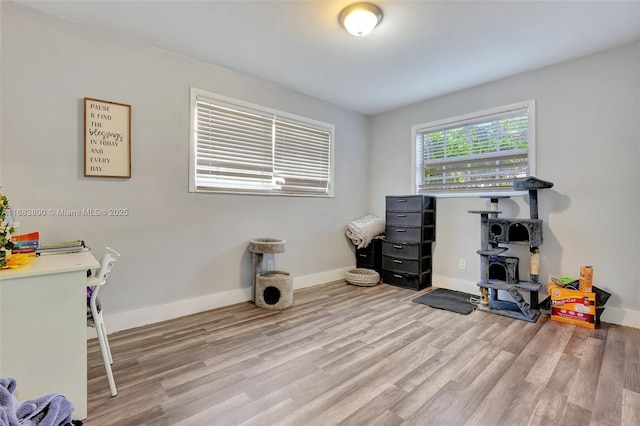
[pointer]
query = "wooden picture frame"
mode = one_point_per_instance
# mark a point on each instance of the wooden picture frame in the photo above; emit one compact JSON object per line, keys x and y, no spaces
{"x":107,"y":139}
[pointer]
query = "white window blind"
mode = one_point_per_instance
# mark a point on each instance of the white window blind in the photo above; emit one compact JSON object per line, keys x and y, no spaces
{"x":247,"y":148}
{"x":481,"y":152}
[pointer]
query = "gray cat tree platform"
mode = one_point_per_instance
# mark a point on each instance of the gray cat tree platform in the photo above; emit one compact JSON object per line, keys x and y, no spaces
{"x":271,"y":290}
{"x":498,"y":272}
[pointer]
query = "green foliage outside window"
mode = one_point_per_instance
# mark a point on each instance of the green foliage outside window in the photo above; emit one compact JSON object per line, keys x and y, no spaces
{"x":475,"y":152}
{"x":473,"y":140}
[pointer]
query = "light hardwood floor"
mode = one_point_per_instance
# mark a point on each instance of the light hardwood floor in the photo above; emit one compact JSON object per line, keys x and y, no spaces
{"x":366,"y":356}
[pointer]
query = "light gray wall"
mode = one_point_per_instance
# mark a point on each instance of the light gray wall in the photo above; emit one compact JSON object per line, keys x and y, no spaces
{"x":175,"y":245}
{"x":587,"y":144}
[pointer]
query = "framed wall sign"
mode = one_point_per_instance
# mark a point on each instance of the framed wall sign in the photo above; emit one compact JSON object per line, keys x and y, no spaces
{"x":107,"y":139}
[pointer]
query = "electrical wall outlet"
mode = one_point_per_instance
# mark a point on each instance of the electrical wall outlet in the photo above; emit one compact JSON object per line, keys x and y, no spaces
{"x":462,"y":264}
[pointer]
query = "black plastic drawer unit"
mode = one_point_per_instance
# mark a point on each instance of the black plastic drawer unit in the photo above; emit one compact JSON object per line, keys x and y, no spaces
{"x":410,"y":235}
{"x":411,"y":266}
{"x":409,"y":232}
{"x":409,"y":218}
{"x":414,"y":282}
{"x":370,"y":257}
{"x":406,"y":251}
{"x":410,"y":203}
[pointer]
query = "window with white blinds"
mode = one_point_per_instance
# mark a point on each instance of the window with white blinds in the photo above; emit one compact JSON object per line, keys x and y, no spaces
{"x":480,"y":152}
{"x":244,"y":148}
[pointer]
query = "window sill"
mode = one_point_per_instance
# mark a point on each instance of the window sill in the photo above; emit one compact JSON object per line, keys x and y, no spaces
{"x":501,"y":194}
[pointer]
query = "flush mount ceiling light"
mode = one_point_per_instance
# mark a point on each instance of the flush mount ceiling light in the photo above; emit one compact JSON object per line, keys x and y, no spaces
{"x":360,"y":18}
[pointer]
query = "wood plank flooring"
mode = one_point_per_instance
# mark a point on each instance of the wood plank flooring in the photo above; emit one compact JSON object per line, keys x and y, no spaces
{"x":365,"y":356}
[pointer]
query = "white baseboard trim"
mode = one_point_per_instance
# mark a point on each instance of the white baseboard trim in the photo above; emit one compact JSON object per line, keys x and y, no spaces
{"x":455,"y":284}
{"x":153,"y":314}
{"x":611,"y":314}
{"x":320,"y":278}
{"x":621,"y":316}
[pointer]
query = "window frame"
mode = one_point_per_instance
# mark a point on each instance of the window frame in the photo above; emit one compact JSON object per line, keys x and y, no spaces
{"x":240,"y":105}
{"x":461,"y":120}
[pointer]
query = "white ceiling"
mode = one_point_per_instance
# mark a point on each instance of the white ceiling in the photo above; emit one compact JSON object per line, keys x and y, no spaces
{"x":422,"y":49}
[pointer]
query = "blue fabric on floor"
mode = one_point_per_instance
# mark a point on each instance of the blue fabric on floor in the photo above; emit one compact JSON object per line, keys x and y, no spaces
{"x":48,"y":410}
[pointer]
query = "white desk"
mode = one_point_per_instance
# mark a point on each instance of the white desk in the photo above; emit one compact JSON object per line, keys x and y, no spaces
{"x":43,"y":320}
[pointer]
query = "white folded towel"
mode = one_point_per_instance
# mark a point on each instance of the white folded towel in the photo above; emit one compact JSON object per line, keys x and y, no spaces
{"x":362,"y":231}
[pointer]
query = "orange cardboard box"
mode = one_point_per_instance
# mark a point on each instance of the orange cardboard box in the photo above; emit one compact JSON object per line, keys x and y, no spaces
{"x":586,"y":279}
{"x":572,"y":306}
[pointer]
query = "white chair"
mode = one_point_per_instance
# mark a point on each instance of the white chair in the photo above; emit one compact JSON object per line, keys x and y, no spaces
{"x":95,"y":319}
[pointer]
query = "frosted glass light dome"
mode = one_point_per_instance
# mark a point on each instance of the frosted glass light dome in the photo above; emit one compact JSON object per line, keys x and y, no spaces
{"x":360,"y":18}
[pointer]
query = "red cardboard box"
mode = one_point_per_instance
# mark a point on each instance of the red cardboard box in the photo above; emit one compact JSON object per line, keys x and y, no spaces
{"x":572,"y":306}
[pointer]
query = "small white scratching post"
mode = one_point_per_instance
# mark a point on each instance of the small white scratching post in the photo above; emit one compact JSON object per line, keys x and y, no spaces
{"x":270,"y":289}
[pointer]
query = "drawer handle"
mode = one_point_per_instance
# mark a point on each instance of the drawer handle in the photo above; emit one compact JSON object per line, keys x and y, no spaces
{"x":401,"y":215}
{"x":402,"y":230}
{"x":402,"y":201}
{"x":362,"y":255}
{"x":397,"y":276}
{"x":397,"y":247}
{"x":397,"y":261}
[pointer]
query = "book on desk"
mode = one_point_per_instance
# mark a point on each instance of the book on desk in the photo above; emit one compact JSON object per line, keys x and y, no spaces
{"x":25,"y":243}
{"x":73,"y":246}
